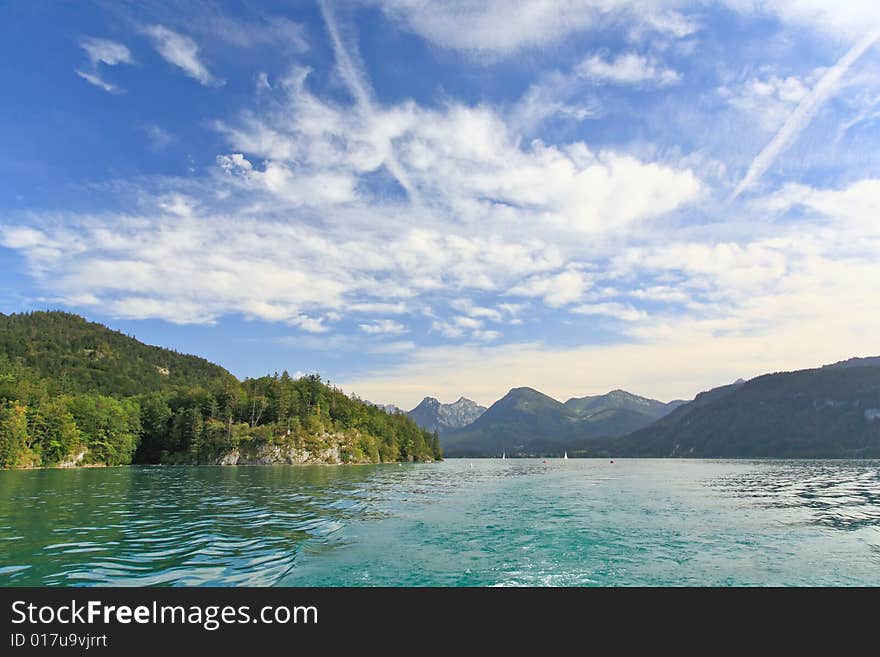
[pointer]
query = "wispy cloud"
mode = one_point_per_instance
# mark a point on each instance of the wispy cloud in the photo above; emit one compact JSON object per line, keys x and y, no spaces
{"x":309,"y":324}
{"x":627,"y":68}
{"x":182,"y":52}
{"x":803,"y":114}
{"x":103,"y":52}
{"x":98,"y":81}
{"x":383,"y":327}
{"x":556,"y":289}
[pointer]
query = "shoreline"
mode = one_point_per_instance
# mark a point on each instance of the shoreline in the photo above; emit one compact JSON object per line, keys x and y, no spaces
{"x":98,"y":466}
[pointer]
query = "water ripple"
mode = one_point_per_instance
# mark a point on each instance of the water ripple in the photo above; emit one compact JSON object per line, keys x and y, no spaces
{"x":459,"y":523}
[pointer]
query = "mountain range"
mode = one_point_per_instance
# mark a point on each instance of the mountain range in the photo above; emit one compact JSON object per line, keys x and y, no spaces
{"x":528,"y":422}
{"x":433,"y":416}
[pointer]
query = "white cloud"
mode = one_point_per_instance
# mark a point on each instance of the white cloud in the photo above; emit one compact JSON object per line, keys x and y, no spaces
{"x":182,"y":52}
{"x":492,"y":27}
{"x":98,"y":81}
{"x":486,"y":335}
{"x":555,"y":95}
{"x":383,"y":327}
{"x":309,"y":324}
{"x":178,"y":204}
{"x":770,"y":99}
{"x":627,"y":68}
{"x":556,"y":289}
{"x":470,"y":328}
{"x":468,"y":308}
{"x":854,"y":209}
{"x":447,"y":329}
{"x":104,"y":51}
{"x":176,"y":311}
{"x":672,"y":22}
{"x":461,"y":160}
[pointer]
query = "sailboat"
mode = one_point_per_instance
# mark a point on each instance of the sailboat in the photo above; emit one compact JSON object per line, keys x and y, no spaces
{"x":565,"y":456}
{"x":503,"y":456}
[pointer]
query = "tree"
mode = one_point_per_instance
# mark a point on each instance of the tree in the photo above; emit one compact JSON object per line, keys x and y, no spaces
{"x":13,"y":434}
{"x":55,"y":431}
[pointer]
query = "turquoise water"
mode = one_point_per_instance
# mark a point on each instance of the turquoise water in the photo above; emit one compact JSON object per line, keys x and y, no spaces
{"x":457,"y":523}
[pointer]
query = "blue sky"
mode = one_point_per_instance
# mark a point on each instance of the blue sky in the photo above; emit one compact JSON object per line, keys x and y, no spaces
{"x":425,"y":198}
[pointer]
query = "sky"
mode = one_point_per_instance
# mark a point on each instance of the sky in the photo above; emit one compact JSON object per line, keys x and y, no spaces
{"x":418,"y":198}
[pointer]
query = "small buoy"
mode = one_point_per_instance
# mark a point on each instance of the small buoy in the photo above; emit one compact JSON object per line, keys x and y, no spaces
{"x":612,"y":460}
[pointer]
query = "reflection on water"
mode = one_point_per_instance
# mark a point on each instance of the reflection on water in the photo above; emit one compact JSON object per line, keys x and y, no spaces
{"x":458,"y":523}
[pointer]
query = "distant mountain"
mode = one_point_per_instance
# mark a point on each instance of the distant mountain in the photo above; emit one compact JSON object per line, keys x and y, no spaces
{"x":528,"y":422}
{"x":433,"y":416}
{"x":388,"y":408}
{"x":829,"y":412}
{"x":620,"y":400}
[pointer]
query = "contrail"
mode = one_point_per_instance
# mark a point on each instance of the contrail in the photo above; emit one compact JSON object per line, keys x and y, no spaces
{"x":360,"y":90}
{"x":804,"y":113}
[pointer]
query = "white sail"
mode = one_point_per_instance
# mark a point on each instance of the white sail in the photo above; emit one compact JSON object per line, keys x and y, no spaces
{"x":565,"y":456}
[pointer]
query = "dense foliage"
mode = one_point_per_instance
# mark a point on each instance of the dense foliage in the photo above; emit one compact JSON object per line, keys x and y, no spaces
{"x":76,"y":355}
{"x":60,"y":403}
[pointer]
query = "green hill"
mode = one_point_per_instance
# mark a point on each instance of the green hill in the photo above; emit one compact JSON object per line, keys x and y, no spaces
{"x":82,"y":356}
{"x":830,"y":412}
{"x":528,"y":422}
{"x":74,"y":392}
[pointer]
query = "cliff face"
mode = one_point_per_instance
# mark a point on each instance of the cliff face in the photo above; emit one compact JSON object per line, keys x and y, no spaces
{"x":278,"y":455}
{"x":336,"y":449}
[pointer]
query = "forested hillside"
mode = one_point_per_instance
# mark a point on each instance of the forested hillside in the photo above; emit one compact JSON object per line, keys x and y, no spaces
{"x":75,"y":393}
{"x":829,"y":412}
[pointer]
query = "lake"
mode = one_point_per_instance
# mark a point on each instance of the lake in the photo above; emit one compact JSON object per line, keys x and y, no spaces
{"x":516,"y":522}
